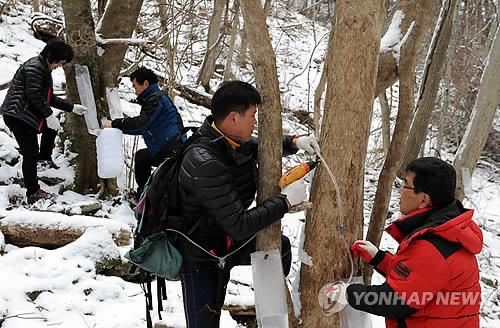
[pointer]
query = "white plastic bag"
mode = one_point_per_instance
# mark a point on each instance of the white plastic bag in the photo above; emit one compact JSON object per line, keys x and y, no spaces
{"x":351,"y":318}
{"x":113,"y":98}
{"x":86,"y":94}
{"x":269,"y":289}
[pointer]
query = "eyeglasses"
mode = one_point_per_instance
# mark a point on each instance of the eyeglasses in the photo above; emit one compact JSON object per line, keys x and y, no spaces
{"x":398,"y":183}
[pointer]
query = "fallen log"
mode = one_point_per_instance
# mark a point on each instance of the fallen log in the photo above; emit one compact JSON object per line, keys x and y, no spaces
{"x":49,"y":230}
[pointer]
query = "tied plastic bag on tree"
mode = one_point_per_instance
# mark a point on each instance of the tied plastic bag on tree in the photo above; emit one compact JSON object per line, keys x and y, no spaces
{"x":86,"y":94}
{"x":113,"y":98}
{"x":269,"y":289}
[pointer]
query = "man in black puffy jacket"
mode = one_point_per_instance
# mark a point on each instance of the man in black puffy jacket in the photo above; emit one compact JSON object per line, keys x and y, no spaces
{"x":218,"y":181}
{"x":26,"y":111}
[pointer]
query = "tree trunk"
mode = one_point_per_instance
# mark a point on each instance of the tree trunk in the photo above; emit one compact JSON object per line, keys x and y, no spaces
{"x":228,"y":74}
{"x":36,"y":6}
{"x":269,"y":121}
{"x":335,"y":222}
{"x":429,"y":86}
{"x":79,"y":26}
{"x":59,"y":232}
{"x":242,"y":55}
{"x":318,"y":93}
{"x":111,"y":61}
{"x":213,"y":40}
{"x":119,"y":21}
{"x":386,"y":122}
{"x":445,"y":103}
{"x":420,"y":14}
{"x":482,"y":117}
{"x":104,"y":71}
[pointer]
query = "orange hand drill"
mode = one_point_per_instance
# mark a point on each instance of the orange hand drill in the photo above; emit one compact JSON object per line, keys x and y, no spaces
{"x":296,"y":173}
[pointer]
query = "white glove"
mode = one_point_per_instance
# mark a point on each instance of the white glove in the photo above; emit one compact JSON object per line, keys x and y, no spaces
{"x":53,"y":123}
{"x":295,"y":192}
{"x":364,"y":249}
{"x":79,"y":109}
{"x":332,"y":297}
{"x":309,"y":144}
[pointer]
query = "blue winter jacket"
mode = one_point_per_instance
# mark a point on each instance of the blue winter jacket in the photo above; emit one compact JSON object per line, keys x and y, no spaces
{"x":158,"y":122}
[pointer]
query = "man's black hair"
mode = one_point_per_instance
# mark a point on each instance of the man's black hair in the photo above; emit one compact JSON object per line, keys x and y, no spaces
{"x":57,"y":50}
{"x":144,"y":74}
{"x":234,"y":96}
{"x":436,"y":178}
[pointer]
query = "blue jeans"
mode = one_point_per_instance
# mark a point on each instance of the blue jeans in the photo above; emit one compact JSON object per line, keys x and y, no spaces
{"x":204,"y":285}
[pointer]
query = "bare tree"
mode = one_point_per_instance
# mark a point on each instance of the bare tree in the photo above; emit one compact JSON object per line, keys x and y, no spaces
{"x":104,"y":71}
{"x":482,"y":118}
{"x":429,"y":86}
{"x":228,"y":74}
{"x":337,"y":219}
{"x":419,"y":13}
{"x":269,"y":121}
{"x":214,"y":37}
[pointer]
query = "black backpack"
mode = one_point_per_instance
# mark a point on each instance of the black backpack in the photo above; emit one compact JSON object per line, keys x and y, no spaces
{"x":159,"y":225}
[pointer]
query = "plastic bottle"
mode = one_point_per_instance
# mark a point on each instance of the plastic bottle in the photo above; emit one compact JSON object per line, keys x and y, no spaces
{"x":109,"y":153}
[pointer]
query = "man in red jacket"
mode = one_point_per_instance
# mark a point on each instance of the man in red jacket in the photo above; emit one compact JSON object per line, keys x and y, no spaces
{"x":433,"y":279}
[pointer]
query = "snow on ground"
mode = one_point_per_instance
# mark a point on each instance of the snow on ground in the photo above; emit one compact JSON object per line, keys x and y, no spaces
{"x":45,"y":288}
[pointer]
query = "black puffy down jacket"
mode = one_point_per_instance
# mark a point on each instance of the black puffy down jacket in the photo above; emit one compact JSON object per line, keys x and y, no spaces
{"x":217,"y":185}
{"x":30,"y":94}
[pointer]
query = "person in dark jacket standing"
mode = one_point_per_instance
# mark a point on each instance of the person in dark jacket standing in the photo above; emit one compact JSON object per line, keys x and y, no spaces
{"x":433,"y":279}
{"x":158,"y":123}
{"x":26,"y":111}
{"x":218,"y":180}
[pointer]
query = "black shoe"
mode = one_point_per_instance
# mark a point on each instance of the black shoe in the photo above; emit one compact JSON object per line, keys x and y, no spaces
{"x":46,"y":164}
{"x":39,"y":194}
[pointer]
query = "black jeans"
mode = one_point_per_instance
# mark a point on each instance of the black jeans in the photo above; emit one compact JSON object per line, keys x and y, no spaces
{"x":204,"y":285}
{"x":27,"y":138}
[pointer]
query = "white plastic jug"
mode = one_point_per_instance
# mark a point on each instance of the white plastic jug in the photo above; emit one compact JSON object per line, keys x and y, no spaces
{"x":109,"y":153}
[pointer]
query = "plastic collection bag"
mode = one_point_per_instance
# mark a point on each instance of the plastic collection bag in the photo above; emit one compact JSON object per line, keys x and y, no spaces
{"x":269,"y":289}
{"x":86,"y":94}
{"x":113,"y":98}
{"x":351,"y":318}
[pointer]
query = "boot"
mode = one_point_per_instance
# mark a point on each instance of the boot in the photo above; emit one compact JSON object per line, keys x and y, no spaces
{"x":39,"y":194}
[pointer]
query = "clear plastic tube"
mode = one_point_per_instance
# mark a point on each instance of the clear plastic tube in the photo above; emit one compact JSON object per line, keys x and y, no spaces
{"x":340,"y":229}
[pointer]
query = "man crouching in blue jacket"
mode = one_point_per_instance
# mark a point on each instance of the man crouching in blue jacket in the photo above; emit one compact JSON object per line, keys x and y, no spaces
{"x":158,"y":123}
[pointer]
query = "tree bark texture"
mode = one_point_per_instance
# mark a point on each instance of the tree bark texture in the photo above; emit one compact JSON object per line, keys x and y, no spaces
{"x":336,"y":220}
{"x":419,"y":13}
{"x":482,"y":117}
{"x":429,"y":86}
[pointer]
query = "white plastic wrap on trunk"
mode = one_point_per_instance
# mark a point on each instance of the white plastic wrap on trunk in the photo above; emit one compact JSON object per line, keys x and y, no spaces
{"x":352,"y":318}
{"x":86,"y":94}
{"x":269,"y":289}
{"x":113,"y":98}
{"x":467,"y":181}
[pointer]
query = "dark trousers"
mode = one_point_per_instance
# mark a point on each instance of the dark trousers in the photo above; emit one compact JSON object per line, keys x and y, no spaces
{"x":26,"y":137}
{"x":204,"y":285}
{"x":144,"y":162}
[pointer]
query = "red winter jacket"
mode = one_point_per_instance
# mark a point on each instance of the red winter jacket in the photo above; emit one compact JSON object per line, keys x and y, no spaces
{"x":433,"y":279}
